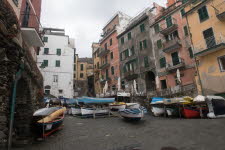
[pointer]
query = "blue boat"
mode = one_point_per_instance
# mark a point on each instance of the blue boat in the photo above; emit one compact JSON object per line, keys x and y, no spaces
{"x":157,"y":100}
{"x":94,"y":100}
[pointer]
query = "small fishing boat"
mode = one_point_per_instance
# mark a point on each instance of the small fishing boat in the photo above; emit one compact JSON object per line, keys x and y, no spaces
{"x":191,"y":112}
{"x":132,"y":105}
{"x":117,"y":106}
{"x":157,"y":106}
{"x":76,"y":111}
{"x":132,"y":114}
{"x":94,"y":111}
{"x":48,"y":120}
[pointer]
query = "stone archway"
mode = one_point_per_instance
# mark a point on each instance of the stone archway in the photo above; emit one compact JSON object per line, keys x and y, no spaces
{"x":150,"y":81}
{"x":23,"y":110}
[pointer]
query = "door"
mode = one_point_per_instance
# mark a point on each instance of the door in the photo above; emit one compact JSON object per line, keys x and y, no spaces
{"x":209,"y":38}
{"x":175,"y":58}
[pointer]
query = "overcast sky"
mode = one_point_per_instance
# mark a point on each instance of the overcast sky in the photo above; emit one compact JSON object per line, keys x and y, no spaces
{"x":83,"y":20}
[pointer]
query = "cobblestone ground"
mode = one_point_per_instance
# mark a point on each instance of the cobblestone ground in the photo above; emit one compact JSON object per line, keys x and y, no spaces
{"x":150,"y":134}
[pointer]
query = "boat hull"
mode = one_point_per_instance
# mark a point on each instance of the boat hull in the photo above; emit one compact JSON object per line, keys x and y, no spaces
{"x":133,"y":105}
{"x":132,"y":114}
{"x":191,"y":113}
{"x":91,"y":112}
{"x":157,"y":111}
{"x":76,"y":111}
{"x":117,"y":107}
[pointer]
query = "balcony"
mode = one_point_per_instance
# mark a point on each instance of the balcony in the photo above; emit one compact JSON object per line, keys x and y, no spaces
{"x":175,"y":64}
{"x":107,"y":33}
{"x":171,"y":45}
{"x":167,"y":28}
{"x":220,"y":11}
{"x":209,"y":45}
{"x":130,"y":75}
{"x":104,"y":66}
{"x":103,"y":52}
{"x":102,"y":81}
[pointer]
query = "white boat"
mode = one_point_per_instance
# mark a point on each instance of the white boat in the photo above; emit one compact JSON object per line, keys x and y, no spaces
{"x":132,"y":114}
{"x":132,"y":105}
{"x":157,"y":111}
{"x":92,"y":111}
{"x":117,"y":106}
{"x":76,"y":111}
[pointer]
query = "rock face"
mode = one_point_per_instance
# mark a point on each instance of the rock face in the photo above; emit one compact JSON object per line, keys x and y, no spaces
{"x":29,"y":88}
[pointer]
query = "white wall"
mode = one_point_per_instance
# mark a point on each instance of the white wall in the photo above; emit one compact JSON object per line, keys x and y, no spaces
{"x":64,"y":72}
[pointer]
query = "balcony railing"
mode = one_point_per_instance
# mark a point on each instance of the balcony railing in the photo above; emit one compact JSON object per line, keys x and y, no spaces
{"x":103,"y":52}
{"x":171,"y":45}
{"x":175,"y":64}
{"x":104,"y":66}
{"x":166,"y":28}
{"x":209,"y":45}
{"x":130,"y":75}
{"x":103,"y":80}
{"x":220,"y":11}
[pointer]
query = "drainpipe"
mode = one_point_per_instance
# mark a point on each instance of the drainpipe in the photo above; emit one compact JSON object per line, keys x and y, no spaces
{"x":196,"y":65}
{"x":12,"y":109}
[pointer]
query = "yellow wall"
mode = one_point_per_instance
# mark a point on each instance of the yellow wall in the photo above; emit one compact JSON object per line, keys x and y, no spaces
{"x":212,"y":79}
{"x":97,"y":74}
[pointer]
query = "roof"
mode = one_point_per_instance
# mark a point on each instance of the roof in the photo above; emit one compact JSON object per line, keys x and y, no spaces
{"x":88,"y":60}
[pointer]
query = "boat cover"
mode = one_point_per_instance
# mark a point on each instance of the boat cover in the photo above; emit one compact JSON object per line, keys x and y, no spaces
{"x":93,"y":100}
{"x":46,"y":111}
{"x":157,"y":100}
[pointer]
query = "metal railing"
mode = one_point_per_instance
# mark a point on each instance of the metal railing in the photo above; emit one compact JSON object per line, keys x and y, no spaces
{"x":168,"y":45}
{"x":209,"y":43}
{"x":175,"y":62}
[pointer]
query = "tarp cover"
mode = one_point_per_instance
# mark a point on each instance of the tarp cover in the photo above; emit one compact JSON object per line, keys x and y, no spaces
{"x":157,"y":100}
{"x":46,"y":111}
{"x":93,"y":100}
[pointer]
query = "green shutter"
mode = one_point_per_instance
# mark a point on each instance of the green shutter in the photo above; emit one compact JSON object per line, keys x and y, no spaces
{"x":142,"y":27}
{"x":146,"y":61}
{"x":190,"y":52}
{"x":169,"y":22}
{"x":182,"y":11}
{"x":46,"y":50}
{"x":145,"y":44}
{"x":121,"y":56}
{"x":122,"y":40}
{"x":45,"y":39}
{"x":57,"y":63}
{"x":132,"y":51}
{"x":162,"y":62}
{"x":45,"y":63}
{"x":58,"y":52}
{"x":185,"y":31}
{"x":111,"y":55}
{"x":129,"y":36}
{"x":124,"y":68}
{"x":112,"y":70}
{"x":203,"y":14}
{"x":126,"y":53}
{"x":140,"y":45}
{"x":156,"y":27}
{"x":159,"y":44}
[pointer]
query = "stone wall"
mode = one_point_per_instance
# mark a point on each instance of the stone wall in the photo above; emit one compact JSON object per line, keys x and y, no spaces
{"x":29,"y":89}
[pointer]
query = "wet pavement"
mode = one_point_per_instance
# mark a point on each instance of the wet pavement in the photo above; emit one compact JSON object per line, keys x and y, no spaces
{"x":149,"y":134}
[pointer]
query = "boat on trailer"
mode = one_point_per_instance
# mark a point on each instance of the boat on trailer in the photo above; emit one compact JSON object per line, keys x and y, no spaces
{"x":48,"y":120}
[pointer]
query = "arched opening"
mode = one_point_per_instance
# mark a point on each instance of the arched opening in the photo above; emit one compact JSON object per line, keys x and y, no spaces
{"x":150,"y":81}
{"x":23,"y":110}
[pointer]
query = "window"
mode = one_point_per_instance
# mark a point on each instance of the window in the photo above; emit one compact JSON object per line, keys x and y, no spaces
{"x":45,"y":63}
{"x":203,"y":14}
{"x":141,"y":47}
{"x":190,"y":52}
{"x":175,"y":58}
{"x":185,"y":31}
{"x":132,"y":51}
{"x":222,"y":63}
{"x":129,"y":36}
{"x":112,"y":70}
{"x":182,"y":11}
{"x":111,"y":42}
{"x":106,"y":46}
{"x":81,"y":67}
{"x":107,"y":73}
{"x":156,"y":27}
{"x":55,"y":78}
{"x":124,"y":69}
{"x":142,"y":27}
{"x":46,"y":51}
{"x":122,"y":40}
{"x":60,"y":91}
{"x":47,"y":91}
{"x":126,"y":53}
{"x":26,"y":16}
{"x":209,"y":38}
{"x":145,"y":44}
{"x":75,"y":67}
{"x":81,"y":75}
{"x":121,"y":56}
{"x":111,"y":54}
{"x":146,"y":61}
{"x":159,"y":44}
{"x":98,"y":65}
{"x":169,"y":22}
{"x":163,"y":84}
{"x":184,"y":1}
{"x":57,"y":63}
{"x":45,"y":39}
{"x":58,"y":52}
{"x":162,"y":62}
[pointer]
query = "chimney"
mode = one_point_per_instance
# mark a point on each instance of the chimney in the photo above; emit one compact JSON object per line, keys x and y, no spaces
{"x":170,"y":2}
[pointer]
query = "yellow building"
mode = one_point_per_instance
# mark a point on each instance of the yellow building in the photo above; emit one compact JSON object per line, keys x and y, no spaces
{"x":206,"y":21}
{"x":84,"y":68}
{"x":97,"y":64}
